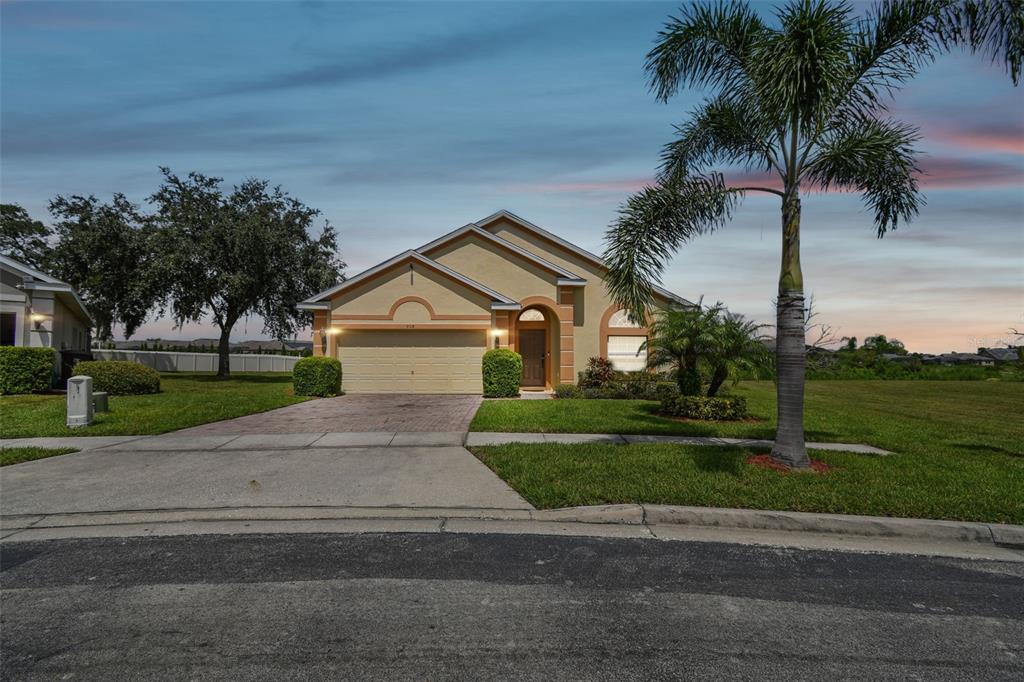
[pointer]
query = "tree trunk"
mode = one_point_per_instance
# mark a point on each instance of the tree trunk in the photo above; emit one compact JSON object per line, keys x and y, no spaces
{"x":718,"y":378}
{"x":790,"y":354}
{"x":224,"y":353}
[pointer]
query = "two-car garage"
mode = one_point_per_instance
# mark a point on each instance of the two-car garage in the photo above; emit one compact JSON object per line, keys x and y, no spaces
{"x":412,"y":361}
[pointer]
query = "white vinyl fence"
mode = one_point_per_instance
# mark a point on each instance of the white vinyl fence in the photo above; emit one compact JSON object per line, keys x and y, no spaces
{"x":172,"y":361}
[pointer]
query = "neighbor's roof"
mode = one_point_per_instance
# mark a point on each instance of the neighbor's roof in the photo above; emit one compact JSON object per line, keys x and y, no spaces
{"x":45,"y":282}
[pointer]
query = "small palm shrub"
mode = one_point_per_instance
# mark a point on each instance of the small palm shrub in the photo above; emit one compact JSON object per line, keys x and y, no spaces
{"x":702,"y":407}
{"x":319,"y":376}
{"x":598,"y":374}
{"x":120,"y":377}
{"x":24,"y":369}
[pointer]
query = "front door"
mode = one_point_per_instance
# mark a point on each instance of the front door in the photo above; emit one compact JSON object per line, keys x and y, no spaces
{"x":531,"y":347}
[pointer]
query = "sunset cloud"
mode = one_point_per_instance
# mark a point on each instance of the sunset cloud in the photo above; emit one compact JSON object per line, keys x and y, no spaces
{"x":1003,"y":137}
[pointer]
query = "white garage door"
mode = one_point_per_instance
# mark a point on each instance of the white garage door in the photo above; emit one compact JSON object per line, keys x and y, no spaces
{"x":416,"y":361}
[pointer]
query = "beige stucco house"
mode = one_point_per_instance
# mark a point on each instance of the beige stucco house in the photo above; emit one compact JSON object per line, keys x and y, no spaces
{"x":420,"y":322}
{"x":39,"y":310}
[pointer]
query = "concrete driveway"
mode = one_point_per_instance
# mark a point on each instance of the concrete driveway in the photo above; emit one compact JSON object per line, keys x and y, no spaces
{"x":104,"y":480}
{"x":356,"y":413}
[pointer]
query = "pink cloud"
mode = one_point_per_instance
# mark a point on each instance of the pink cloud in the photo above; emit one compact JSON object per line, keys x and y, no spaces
{"x":1002,"y":138}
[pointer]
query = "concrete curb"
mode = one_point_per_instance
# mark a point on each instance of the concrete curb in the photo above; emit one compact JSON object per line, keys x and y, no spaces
{"x":45,"y":526}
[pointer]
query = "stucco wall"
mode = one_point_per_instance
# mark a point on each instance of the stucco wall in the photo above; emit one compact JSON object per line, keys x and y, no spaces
{"x":497,"y":268}
{"x":592,"y":300}
{"x":376,"y":296}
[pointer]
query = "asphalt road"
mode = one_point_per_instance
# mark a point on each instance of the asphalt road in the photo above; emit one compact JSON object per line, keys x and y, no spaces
{"x":482,"y":607}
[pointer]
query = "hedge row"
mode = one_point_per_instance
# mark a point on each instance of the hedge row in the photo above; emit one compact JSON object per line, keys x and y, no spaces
{"x":702,"y":407}
{"x":120,"y":377}
{"x":620,"y":390}
{"x":24,"y":369}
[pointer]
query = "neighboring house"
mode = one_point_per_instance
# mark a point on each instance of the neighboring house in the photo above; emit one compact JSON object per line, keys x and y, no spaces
{"x":39,"y":310}
{"x":1000,"y":355}
{"x":420,"y":322}
{"x":955,"y":358}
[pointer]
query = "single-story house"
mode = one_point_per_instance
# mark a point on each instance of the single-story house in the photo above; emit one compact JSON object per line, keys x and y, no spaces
{"x":421,"y":321}
{"x":42,"y":311}
{"x":955,"y":358}
{"x":1000,"y":355}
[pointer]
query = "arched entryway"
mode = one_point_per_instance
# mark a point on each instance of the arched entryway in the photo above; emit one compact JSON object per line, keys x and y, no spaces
{"x":536,"y":340}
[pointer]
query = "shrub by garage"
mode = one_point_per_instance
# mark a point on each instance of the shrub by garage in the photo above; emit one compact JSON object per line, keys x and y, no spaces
{"x":702,"y":407}
{"x":120,"y":377}
{"x":502,"y":370}
{"x":25,"y":370}
{"x":318,"y":376}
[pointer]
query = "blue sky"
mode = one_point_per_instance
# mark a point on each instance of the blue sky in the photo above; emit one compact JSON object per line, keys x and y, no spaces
{"x":402,"y":121}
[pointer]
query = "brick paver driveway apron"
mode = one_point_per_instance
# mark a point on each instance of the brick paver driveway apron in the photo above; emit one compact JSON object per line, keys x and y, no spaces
{"x":364,"y":412}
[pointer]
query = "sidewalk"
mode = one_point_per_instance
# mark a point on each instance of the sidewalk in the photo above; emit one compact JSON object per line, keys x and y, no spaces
{"x":385,"y":439}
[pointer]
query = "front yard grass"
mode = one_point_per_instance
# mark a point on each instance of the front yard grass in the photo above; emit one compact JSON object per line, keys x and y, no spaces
{"x":959,"y":445}
{"x":19,"y":455}
{"x":185,"y":400}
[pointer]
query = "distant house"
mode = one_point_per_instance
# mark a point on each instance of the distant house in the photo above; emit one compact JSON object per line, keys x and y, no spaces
{"x":958,"y":359}
{"x":1000,"y":355}
{"x":42,"y":311}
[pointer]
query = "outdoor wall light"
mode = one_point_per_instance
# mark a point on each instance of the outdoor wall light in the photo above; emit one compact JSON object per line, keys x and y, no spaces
{"x":333,"y":330}
{"x":496,"y":333}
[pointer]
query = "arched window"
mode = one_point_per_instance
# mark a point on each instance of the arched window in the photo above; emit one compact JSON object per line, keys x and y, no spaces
{"x":531,"y":315}
{"x":620,"y":320}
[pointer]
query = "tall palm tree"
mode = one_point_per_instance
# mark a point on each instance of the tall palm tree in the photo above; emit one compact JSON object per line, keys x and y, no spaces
{"x":738,"y":346}
{"x":802,"y":99}
{"x":678,"y":339}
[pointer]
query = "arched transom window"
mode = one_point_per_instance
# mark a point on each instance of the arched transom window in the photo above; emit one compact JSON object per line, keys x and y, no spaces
{"x":531,"y":315}
{"x":620,"y":320}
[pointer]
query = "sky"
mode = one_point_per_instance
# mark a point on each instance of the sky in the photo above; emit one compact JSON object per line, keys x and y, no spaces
{"x":402,"y":121}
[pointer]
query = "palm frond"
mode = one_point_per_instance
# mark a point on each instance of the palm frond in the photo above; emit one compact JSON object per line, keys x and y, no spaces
{"x":723,"y":130}
{"x":707,"y":46}
{"x":652,"y":225}
{"x":994,"y":28}
{"x":878,"y":159}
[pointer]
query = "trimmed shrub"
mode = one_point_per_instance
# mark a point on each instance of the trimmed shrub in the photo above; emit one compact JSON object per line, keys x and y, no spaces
{"x":120,"y":377}
{"x":702,"y":407}
{"x":503,"y":370}
{"x":568,"y":391}
{"x":318,"y":375}
{"x":598,"y":374}
{"x":25,"y":370}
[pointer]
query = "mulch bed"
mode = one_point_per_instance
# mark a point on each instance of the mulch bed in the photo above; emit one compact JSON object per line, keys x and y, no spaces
{"x":766,"y":462}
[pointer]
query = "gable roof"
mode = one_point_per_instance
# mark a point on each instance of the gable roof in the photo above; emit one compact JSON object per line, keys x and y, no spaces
{"x":568,"y":246}
{"x":566,"y":278}
{"x":498,"y":301}
{"x":45,"y":282}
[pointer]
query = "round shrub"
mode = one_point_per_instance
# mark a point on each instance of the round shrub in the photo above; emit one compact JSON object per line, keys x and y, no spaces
{"x":120,"y":377}
{"x":503,"y":370}
{"x":25,"y":370}
{"x":568,"y":391}
{"x":702,"y":407}
{"x":319,"y":376}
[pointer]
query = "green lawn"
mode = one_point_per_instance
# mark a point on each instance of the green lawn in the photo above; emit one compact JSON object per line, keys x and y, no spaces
{"x":19,"y":455}
{"x":185,"y":400}
{"x":959,"y":445}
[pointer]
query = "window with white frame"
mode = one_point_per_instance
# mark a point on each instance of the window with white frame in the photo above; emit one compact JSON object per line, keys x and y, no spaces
{"x":626,"y":354}
{"x":531,"y":315}
{"x":620,"y":319}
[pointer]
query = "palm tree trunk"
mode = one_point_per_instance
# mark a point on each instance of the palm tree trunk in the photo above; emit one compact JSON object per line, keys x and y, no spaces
{"x":718,"y":378}
{"x":790,"y":353}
